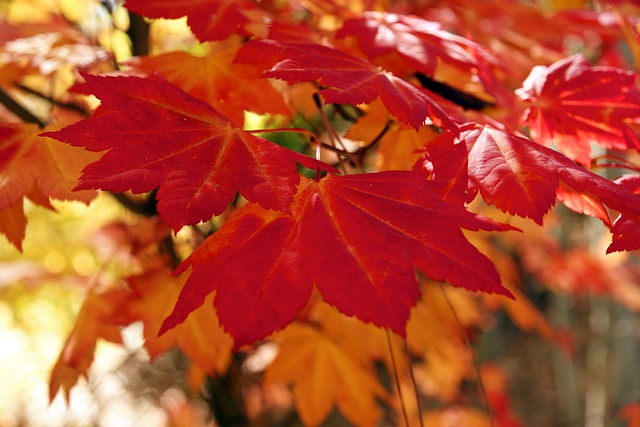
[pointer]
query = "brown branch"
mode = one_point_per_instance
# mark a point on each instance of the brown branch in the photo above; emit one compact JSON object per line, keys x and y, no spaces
{"x":146,"y":208}
{"x":18,"y":109}
{"x":139,"y":34}
{"x":53,"y":101}
{"x":463,"y":99}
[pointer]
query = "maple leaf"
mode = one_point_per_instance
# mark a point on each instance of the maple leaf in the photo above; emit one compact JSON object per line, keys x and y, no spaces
{"x":13,"y":223}
{"x":626,"y":232}
{"x":523,"y":178}
{"x":159,"y":136}
{"x":100,"y":317}
{"x":364,"y":342}
{"x":346,"y":79}
{"x":208,"y":19}
{"x":331,"y":377}
{"x":37,"y":168}
{"x":573,"y":105}
{"x":200,"y":337}
{"x":356,"y":237}
{"x":423,"y":44}
{"x":227,"y":86}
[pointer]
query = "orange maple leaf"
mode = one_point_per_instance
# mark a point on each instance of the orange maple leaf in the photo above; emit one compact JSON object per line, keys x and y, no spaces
{"x":37,"y":168}
{"x":99,"y":317}
{"x":324,"y":375}
{"x":200,"y":337}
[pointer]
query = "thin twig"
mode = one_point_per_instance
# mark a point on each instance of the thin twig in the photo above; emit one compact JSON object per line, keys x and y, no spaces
{"x":624,"y":163}
{"x":296,"y":130}
{"x":362,"y":151}
{"x":333,"y":136}
{"x":483,"y":391}
{"x":397,"y":378}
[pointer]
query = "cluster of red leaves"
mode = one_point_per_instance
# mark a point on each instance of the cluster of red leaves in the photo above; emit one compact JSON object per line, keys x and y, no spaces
{"x":356,"y":238}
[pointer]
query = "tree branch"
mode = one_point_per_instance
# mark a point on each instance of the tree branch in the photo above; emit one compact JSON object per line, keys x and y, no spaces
{"x":53,"y":101}
{"x":463,"y":99}
{"x":18,"y":109}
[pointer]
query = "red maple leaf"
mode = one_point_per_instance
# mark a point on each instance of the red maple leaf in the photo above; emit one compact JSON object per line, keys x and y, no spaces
{"x":572,"y":105}
{"x":208,"y":19}
{"x":356,"y":237}
{"x":626,"y":232}
{"x":158,"y":136}
{"x":421,"y":43}
{"x":346,"y":79}
{"x":227,"y":86}
{"x":524,"y":178}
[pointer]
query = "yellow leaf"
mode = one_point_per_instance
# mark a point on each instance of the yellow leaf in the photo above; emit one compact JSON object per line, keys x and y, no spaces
{"x":363,"y":341}
{"x":324,"y":375}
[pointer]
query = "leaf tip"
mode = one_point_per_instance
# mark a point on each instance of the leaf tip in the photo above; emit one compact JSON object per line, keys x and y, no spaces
{"x":169,"y":323}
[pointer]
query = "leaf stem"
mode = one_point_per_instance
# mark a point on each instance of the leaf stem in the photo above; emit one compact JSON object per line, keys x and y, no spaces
{"x":297,"y":130}
{"x":629,"y":36}
{"x":407,"y":352}
{"x":362,"y":151}
{"x":333,"y":135}
{"x":624,"y":163}
{"x":483,"y":390}
{"x":397,"y":379}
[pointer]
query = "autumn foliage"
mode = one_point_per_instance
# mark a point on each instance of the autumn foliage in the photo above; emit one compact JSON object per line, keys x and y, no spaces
{"x":358,"y":184}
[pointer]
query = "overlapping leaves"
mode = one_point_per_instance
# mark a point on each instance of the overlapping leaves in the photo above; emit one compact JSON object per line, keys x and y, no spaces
{"x":158,"y":136}
{"x":36,"y":168}
{"x":522,"y":177}
{"x":421,"y":43}
{"x":357,"y":235}
{"x":346,"y":79}
{"x":208,"y":19}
